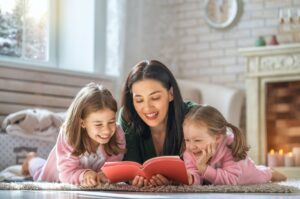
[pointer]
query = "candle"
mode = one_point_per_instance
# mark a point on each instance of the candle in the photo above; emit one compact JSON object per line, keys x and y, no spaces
{"x":296,"y":153}
{"x":272,"y":159}
{"x":290,"y":15}
{"x":280,"y":158}
{"x":281,"y":19}
{"x":289,"y":160}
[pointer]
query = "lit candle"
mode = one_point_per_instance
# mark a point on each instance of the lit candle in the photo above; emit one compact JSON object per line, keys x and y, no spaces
{"x":289,"y":160}
{"x":281,"y":19}
{"x":290,"y":15}
{"x":296,"y":153}
{"x":272,"y":159}
{"x":280,"y":158}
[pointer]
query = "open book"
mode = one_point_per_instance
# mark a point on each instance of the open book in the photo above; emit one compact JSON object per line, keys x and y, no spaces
{"x":171,"y":167}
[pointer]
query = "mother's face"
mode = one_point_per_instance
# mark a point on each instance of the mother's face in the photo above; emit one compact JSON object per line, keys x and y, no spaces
{"x":151,"y":101}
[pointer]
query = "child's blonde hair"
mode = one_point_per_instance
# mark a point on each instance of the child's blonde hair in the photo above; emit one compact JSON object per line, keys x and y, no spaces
{"x":91,"y":98}
{"x":217,"y":125}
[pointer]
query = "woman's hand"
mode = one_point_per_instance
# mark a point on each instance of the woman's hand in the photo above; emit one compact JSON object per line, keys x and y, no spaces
{"x":90,"y":179}
{"x":159,"y":180}
{"x":139,"y":181}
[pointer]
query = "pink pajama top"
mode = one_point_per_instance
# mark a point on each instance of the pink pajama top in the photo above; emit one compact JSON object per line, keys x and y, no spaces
{"x":223,"y":170}
{"x":61,"y":166}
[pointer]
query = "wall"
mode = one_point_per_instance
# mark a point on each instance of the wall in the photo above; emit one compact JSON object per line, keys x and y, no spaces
{"x":76,"y":35}
{"x":175,"y":32}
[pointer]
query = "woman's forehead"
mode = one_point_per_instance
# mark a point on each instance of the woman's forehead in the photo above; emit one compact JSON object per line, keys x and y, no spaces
{"x":147,"y":86}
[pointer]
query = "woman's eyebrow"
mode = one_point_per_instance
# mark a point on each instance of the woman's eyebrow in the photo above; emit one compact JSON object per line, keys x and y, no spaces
{"x":138,"y":95}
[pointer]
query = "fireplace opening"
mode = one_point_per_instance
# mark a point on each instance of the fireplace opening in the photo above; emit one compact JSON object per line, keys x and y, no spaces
{"x":283,"y":116}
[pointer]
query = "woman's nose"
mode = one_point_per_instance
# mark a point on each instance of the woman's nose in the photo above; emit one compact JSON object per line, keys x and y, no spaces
{"x":148,"y":104}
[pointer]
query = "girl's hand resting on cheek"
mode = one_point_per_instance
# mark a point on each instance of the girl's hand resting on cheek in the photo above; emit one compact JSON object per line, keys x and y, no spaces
{"x":204,"y":156}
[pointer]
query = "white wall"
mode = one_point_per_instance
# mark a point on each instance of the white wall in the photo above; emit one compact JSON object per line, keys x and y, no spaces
{"x":175,"y":32}
{"x":76,"y":35}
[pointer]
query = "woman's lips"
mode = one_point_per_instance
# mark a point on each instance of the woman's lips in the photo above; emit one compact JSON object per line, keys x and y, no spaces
{"x":151,"y":116}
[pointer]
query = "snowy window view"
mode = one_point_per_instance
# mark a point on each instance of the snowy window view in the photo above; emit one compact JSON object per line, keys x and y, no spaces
{"x":24,"y":29}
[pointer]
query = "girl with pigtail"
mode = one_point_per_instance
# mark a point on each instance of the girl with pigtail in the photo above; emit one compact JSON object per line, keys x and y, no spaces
{"x":215,"y":151}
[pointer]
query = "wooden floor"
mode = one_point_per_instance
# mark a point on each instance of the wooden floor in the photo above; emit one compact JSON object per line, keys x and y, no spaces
{"x":5,"y":194}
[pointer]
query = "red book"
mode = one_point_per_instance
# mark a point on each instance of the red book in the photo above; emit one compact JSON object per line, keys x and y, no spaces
{"x":171,"y":167}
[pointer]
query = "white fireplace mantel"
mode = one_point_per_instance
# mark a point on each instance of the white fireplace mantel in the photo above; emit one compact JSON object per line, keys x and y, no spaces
{"x":264,"y":65}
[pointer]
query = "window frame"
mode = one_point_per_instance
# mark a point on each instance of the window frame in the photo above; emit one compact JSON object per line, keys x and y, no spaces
{"x":52,"y":58}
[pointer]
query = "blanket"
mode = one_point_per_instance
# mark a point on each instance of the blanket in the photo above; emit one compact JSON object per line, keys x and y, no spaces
{"x":40,"y":124}
{"x":13,"y":173}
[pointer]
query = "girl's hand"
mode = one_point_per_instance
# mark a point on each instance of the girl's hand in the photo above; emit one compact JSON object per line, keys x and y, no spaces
{"x":159,"y":180}
{"x":101,"y":178}
{"x":139,"y":181}
{"x":205,"y":156}
{"x":190,"y":178}
{"x":90,"y":179}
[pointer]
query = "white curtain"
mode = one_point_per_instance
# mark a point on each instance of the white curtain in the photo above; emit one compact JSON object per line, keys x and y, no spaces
{"x":124,"y":18}
{"x":115,"y":34}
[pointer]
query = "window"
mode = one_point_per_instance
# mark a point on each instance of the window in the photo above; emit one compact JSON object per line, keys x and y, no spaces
{"x":24,"y":30}
{"x":76,"y":35}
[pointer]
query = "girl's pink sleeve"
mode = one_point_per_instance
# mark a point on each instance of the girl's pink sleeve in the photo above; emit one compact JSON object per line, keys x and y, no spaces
{"x":122,"y":143}
{"x":69,"y":167}
{"x":228,"y":174}
{"x":191,"y":167}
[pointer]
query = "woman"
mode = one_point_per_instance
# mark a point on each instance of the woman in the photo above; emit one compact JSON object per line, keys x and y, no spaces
{"x":152,"y":115}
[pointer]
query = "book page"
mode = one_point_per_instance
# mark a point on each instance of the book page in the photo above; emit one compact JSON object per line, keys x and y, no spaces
{"x":171,"y":167}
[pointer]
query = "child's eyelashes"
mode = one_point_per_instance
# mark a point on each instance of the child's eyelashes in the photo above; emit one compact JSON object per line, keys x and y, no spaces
{"x":188,"y":140}
{"x":109,"y":123}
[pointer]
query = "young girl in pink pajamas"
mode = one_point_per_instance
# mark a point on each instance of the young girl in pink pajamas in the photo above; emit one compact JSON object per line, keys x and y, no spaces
{"x":88,"y":138}
{"x":218,"y":156}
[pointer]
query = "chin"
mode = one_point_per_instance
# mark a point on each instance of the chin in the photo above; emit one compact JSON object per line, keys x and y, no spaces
{"x":103,"y":142}
{"x":152,"y":123}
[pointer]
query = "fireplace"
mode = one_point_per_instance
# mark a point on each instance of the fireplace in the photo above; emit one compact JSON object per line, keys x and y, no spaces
{"x":273,"y":100}
{"x":283,"y":115}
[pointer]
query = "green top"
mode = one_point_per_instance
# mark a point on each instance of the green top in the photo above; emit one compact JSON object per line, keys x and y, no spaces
{"x":138,"y":148}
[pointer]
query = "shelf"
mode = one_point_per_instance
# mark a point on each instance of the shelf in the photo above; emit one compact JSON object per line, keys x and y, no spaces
{"x":290,"y":172}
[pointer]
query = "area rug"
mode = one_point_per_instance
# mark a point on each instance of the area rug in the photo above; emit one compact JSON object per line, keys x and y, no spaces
{"x":284,"y":187}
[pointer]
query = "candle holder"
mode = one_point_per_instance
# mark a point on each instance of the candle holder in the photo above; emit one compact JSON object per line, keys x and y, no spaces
{"x":289,"y":22}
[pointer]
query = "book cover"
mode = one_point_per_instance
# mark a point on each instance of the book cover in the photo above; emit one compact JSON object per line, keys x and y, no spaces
{"x":172,"y":167}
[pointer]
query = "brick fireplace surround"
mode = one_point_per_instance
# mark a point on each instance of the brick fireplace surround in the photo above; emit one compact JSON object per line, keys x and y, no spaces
{"x":267,"y":65}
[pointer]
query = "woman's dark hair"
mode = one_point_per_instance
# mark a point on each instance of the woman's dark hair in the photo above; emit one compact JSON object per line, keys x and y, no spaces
{"x":155,"y":70}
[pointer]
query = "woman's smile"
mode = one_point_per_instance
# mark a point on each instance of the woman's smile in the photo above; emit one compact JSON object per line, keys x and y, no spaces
{"x":151,"y":116}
